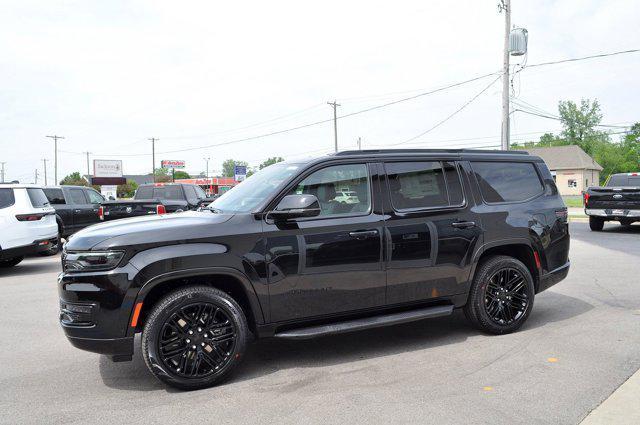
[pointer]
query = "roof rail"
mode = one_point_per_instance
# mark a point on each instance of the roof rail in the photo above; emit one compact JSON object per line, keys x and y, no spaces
{"x":399,"y":151}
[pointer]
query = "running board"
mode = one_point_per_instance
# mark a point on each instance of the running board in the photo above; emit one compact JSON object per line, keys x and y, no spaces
{"x":366,"y":323}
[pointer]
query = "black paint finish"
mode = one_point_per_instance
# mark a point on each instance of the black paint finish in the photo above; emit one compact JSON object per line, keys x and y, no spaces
{"x":318,"y":270}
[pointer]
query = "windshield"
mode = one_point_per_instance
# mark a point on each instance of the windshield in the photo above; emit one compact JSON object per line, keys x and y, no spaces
{"x":255,"y":189}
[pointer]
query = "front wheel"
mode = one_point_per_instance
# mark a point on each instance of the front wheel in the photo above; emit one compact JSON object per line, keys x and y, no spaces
{"x":501,"y":296}
{"x":596,"y":224}
{"x":194,"y":337}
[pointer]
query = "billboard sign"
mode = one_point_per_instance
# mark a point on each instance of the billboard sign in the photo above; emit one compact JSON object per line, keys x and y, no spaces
{"x":172,"y":163}
{"x":240,"y":172}
{"x":107,"y":168}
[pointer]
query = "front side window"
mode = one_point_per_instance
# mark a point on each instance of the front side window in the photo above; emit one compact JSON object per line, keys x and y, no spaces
{"x":425,"y":184}
{"x":6,"y":198}
{"x":37,"y":197}
{"x":94,"y":197}
{"x":55,"y":196}
{"x":507,"y":181}
{"x":340,"y":189}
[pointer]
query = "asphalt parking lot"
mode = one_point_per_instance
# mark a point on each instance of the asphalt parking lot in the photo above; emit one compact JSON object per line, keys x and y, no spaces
{"x":581,"y":342}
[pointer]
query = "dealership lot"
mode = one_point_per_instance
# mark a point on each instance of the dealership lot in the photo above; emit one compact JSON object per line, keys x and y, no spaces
{"x":580,"y":343}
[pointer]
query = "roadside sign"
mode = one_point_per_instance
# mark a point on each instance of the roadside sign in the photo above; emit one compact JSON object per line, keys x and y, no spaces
{"x":240,"y":172}
{"x":172,"y":163}
{"x":107,"y":168}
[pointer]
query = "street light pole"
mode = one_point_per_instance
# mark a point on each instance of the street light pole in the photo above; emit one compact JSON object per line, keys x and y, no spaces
{"x":505,"y":6}
{"x":2,"y":172}
{"x":44,"y":162}
{"x":55,"y":156}
{"x":153,"y":157}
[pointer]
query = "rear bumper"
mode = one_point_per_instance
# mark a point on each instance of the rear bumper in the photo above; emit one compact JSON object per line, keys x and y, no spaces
{"x":553,"y":277}
{"x":609,"y":213}
{"x":33,"y":248}
{"x":112,"y":347}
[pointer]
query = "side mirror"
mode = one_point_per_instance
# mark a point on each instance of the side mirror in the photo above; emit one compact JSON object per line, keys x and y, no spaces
{"x":296,"y":206}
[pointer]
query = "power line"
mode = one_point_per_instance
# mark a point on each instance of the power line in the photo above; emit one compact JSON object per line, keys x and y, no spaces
{"x":602,"y":55}
{"x":439,"y":123}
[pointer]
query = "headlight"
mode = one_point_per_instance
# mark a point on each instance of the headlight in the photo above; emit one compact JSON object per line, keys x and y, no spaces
{"x":89,"y":261}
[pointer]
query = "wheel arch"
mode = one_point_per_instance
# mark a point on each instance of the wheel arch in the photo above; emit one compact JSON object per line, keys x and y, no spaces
{"x":520,"y":249}
{"x":231,"y":281}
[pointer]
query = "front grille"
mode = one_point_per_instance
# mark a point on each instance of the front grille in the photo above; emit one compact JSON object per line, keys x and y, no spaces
{"x":72,"y":314}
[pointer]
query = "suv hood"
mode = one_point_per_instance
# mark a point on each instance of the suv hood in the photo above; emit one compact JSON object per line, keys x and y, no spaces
{"x":151,"y":229}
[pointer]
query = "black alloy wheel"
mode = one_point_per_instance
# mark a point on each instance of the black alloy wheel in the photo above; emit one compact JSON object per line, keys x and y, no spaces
{"x":197,"y":340}
{"x":501,"y":295}
{"x":506,"y":298}
{"x":194,"y":337}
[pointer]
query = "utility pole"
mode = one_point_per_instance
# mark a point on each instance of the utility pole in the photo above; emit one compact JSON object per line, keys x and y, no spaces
{"x":505,"y":6}
{"x":36,"y":177}
{"x":153,"y":157}
{"x":88,"y":169}
{"x":55,"y":158}
{"x":359,"y":143}
{"x":44,"y":162}
{"x":207,"y":161}
{"x":2,"y":172}
{"x":335,"y":122}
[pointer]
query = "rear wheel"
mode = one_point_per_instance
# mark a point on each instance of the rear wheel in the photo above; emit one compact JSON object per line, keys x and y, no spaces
{"x":626,"y":222}
{"x":194,"y":337}
{"x":596,"y":224}
{"x":501,"y":296}
{"x":10,"y":262}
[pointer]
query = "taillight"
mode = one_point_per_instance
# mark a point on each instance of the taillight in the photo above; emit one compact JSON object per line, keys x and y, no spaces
{"x":586,"y":199}
{"x":30,"y":217}
{"x":160,"y":209}
{"x":101,"y":213}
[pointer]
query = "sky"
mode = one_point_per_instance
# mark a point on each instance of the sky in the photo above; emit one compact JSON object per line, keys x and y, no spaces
{"x":108,"y":76}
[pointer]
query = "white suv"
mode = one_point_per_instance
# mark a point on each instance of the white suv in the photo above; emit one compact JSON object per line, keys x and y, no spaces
{"x":27,"y":223}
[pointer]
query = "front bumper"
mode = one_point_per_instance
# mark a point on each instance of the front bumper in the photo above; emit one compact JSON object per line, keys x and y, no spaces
{"x":553,"y":277}
{"x":614,"y":214}
{"x":40,"y":245}
{"x":96,"y":308}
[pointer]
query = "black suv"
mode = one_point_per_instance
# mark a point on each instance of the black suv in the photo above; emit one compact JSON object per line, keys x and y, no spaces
{"x":286,"y":255}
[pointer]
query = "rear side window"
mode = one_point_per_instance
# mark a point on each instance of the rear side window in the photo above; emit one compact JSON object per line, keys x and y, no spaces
{"x":507,"y":181}
{"x":37,"y":197}
{"x":416,"y":185}
{"x":55,"y":196}
{"x":145,"y":192}
{"x":191,"y":193}
{"x":77,"y":196}
{"x":6,"y":198}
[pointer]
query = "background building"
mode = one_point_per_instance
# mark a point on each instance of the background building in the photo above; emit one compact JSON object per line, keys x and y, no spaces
{"x":571,"y":167}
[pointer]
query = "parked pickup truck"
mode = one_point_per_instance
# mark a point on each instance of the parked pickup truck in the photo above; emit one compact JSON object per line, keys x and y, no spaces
{"x":617,"y":200}
{"x":76,"y":208}
{"x":157,"y":198}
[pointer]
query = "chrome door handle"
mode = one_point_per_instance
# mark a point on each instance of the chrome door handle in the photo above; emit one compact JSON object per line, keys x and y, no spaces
{"x":463,"y":224}
{"x":363,"y":234}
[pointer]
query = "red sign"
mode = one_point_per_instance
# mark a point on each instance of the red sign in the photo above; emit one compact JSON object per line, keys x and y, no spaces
{"x":172,"y":163}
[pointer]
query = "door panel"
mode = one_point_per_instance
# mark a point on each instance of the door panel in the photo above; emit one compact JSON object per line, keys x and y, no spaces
{"x":429,"y":249}
{"x":330,"y":264}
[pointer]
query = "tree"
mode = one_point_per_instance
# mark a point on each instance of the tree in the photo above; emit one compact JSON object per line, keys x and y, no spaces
{"x":580,"y":124}
{"x":162,"y":175}
{"x":74,"y":179}
{"x":181,"y":175}
{"x":228,"y":167}
{"x":271,"y":161}
{"x":127,"y":190}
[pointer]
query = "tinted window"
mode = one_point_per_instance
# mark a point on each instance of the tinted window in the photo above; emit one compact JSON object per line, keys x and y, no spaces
{"x":144,"y":192}
{"x":94,"y":197}
{"x":37,"y":197}
{"x":507,"y":181}
{"x":324,"y":184}
{"x":622,"y":180}
{"x":200,"y":193}
{"x":160,"y":192}
{"x":416,"y":185}
{"x":454,"y":187}
{"x":191,"y":193}
{"x":77,"y":196}
{"x":55,"y":196}
{"x":6,"y":198}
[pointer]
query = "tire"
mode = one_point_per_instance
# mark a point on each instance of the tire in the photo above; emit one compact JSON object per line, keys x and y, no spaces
{"x":596,"y":224}
{"x":484,"y":308}
{"x":192,"y":316}
{"x":626,"y":223}
{"x":10,"y":262}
